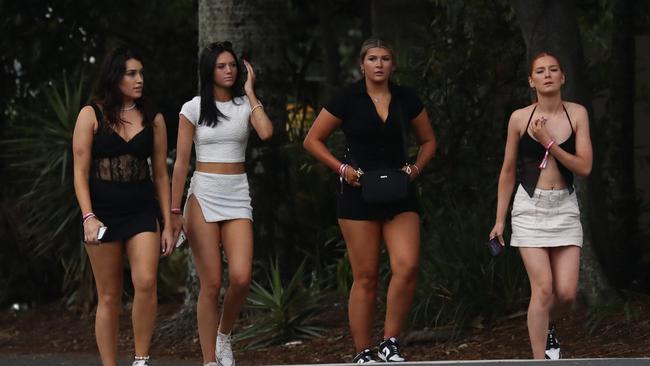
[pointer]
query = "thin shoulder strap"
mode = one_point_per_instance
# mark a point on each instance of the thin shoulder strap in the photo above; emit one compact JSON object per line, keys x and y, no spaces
{"x":98,"y":114}
{"x":531,"y":117}
{"x":569,"y":118}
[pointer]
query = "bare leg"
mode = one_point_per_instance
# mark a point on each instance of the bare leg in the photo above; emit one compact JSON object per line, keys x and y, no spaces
{"x":237,"y":242}
{"x":402,"y":236}
{"x":106,"y":262}
{"x":363,"y":239}
{"x":143,"y":251}
{"x":538,"y":266}
{"x":204,"y":238}
{"x":565,"y":262}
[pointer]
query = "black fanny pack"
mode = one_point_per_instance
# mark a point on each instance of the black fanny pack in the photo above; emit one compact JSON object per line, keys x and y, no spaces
{"x":384,"y":186}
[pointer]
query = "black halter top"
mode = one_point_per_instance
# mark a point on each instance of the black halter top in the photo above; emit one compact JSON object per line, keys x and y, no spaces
{"x":531,"y":154}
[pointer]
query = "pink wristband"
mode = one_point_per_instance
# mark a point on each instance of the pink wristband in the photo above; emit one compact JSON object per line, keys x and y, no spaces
{"x":87,"y":217}
{"x":544,"y":162}
{"x":176,"y":211}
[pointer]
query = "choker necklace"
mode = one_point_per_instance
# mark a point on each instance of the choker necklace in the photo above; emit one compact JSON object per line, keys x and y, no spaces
{"x":128,"y":108}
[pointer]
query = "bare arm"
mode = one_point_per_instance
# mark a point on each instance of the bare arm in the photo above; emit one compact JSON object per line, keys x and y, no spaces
{"x":507,"y":177}
{"x":161,"y":181}
{"x":314,"y":143}
{"x":82,"y":141}
{"x":181,"y":166}
{"x":426,"y":139}
{"x":259,"y":119}
{"x":581,"y":162}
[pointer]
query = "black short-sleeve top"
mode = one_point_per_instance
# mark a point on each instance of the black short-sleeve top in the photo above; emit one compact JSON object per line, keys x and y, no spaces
{"x":371,"y":142}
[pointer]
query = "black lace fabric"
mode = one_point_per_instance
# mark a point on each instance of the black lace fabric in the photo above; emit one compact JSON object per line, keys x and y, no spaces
{"x":123,"y":168}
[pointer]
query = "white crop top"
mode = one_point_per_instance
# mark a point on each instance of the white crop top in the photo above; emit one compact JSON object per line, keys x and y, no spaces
{"x":225,"y":142}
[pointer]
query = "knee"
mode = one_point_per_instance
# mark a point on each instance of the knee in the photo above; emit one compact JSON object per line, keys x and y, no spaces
{"x":145,"y":284}
{"x":407,"y":272}
{"x":210,"y":289}
{"x":111,"y":300}
{"x":366,"y":281}
{"x":239,"y":282}
{"x":542,"y":295}
{"x":565,"y":298}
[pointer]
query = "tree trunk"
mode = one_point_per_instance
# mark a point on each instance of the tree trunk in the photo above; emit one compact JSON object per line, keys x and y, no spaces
{"x":406,"y":35}
{"x":552,"y":26}
{"x":624,"y":250}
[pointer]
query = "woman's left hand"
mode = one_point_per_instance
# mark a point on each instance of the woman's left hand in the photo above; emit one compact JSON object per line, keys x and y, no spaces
{"x":411,"y":170}
{"x":539,"y":131}
{"x":250,"y":78}
{"x":167,"y":242}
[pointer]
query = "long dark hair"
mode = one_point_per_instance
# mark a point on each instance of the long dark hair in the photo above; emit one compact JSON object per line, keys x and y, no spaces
{"x":107,"y":91}
{"x":209,"y":111}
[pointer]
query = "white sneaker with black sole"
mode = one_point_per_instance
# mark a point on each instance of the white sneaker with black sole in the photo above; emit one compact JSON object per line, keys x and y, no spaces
{"x":364,"y":356}
{"x":552,"y":345}
{"x":389,"y":351}
{"x":141,"y":361}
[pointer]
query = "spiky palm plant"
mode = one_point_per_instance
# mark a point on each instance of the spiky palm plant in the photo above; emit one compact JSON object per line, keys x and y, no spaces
{"x":38,"y":154}
{"x":282,"y":312}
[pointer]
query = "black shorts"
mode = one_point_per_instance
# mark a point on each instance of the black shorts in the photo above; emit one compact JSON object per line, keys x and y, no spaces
{"x":352,"y":206}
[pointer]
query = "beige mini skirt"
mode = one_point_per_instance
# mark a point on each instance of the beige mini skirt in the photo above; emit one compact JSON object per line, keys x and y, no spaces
{"x":551,"y":218}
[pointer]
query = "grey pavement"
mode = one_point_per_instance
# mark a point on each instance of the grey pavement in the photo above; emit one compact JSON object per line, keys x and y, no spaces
{"x":74,"y":360}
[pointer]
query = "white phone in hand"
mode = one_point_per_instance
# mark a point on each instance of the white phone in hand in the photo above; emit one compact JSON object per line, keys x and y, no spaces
{"x":181,"y":239}
{"x":100,"y":232}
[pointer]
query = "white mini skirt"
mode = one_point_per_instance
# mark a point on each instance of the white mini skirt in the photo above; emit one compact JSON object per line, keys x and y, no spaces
{"x":221,"y":196}
{"x":551,"y":218}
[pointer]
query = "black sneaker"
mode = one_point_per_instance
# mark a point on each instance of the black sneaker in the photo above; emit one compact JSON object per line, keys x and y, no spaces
{"x":552,"y":345}
{"x":389,"y":351}
{"x":364,"y":356}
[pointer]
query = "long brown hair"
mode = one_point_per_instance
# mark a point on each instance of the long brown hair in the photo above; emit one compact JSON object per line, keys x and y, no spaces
{"x":107,"y":92}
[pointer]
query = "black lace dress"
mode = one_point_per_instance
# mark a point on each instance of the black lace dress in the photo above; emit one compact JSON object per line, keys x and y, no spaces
{"x":121,"y":191}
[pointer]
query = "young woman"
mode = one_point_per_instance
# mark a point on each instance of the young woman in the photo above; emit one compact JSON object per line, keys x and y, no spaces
{"x":374,"y":114}
{"x":548,"y":142}
{"x":218,"y":213}
{"x":113,"y":138}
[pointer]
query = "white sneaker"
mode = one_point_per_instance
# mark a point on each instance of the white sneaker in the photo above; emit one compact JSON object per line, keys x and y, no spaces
{"x":552,"y":345}
{"x":141,"y":361}
{"x":223,"y":350}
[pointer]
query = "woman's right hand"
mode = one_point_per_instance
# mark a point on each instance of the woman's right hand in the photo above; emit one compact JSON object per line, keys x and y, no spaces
{"x":352,"y":176}
{"x":91,"y":229}
{"x":178,"y":224}
{"x":497,"y":232}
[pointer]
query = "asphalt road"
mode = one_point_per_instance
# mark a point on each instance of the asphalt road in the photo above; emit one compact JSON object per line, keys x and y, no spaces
{"x":76,"y":360}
